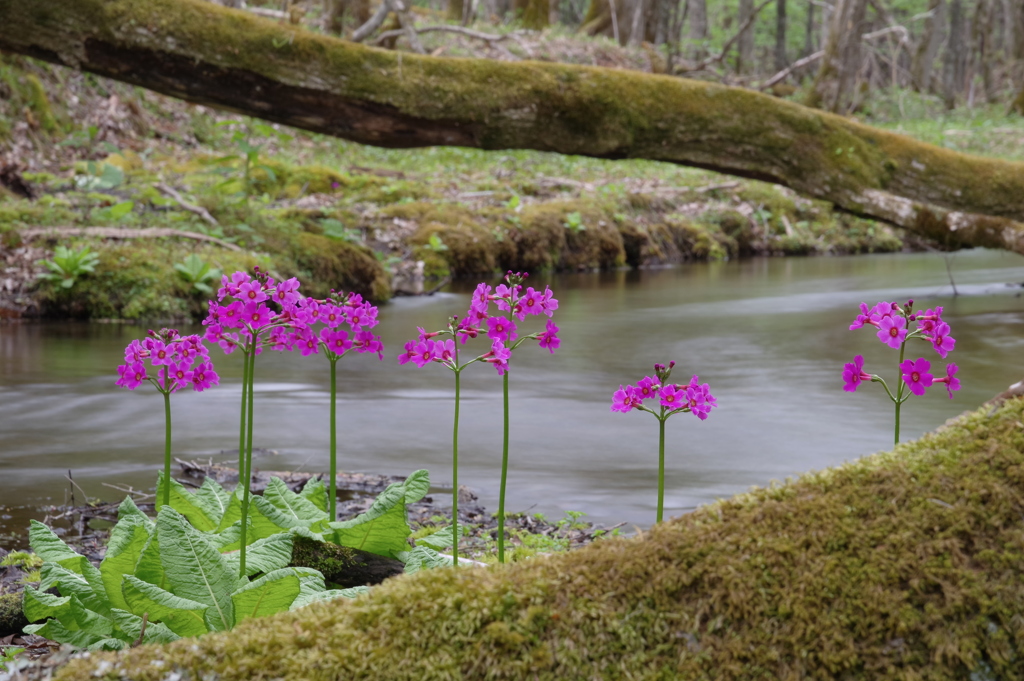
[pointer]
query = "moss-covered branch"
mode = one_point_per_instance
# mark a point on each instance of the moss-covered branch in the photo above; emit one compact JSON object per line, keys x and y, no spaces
{"x":231,"y":59}
{"x":901,"y":565}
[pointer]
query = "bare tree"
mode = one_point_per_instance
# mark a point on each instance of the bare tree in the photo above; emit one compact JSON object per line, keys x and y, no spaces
{"x":835,"y":83}
{"x":954,"y":60}
{"x":698,"y":17}
{"x":780,"y":35}
{"x":745,"y":44}
{"x":928,"y":46}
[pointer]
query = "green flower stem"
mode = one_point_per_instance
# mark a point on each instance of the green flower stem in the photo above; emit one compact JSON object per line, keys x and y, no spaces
{"x":661,"y":467}
{"x":332,"y":501}
{"x":455,"y":467}
{"x":248,"y":458}
{"x":504,"y":478}
{"x":167,"y":440}
{"x":241,"y":420}
{"x":899,"y":394}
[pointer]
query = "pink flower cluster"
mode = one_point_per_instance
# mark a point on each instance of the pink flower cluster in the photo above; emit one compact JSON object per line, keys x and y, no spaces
{"x":694,"y":397}
{"x":502,"y":331}
{"x":175,"y":359}
{"x":258,"y":309}
{"x":892,"y":322}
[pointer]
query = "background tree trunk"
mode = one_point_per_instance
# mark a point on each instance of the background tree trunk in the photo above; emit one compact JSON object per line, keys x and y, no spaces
{"x":334,"y":16}
{"x":837,"y":76}
{"x":809,"y":30}
{"x":982,"y":53}
{"x":697,"y":14}
{"x":745,"y":44}
{"x":456,"y":9}
{"x":953,"y":63}
{"x":210,"y":55}
{"x":780,"y":35}
{"x":928,"y":46}
{"x":534,"y":14}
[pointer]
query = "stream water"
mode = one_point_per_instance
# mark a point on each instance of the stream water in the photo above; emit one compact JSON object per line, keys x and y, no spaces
{"x":769,"y":335}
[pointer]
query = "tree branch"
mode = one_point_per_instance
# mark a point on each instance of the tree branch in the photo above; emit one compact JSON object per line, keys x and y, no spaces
{"x":781,"y":75}
{"x":231,"y":59}
{"x":121,"y":233}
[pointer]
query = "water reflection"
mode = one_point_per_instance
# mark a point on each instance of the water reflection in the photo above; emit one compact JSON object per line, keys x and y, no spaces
{"x":770,"y":335}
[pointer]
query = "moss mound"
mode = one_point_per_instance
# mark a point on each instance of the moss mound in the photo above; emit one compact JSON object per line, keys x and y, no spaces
{"x":902,"y":565}
{"x":11,"y":617}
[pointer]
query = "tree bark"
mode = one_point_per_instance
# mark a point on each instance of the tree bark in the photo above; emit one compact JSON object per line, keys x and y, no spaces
{"x":534,"y":14}
{"x":809,"y":30}
{"x":697,"y":11}
{"x":239,"y":62}
{"x":837,"y":77}
{"x":745,"y":44}
{"x":928,"y":47}
{"x":953,"y":66}
{"x":780,"y":35}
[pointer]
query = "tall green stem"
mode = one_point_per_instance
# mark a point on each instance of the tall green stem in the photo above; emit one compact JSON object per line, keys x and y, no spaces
{"x":248,"y":458}
{"x":504,"y":477}
{"x":455,"y":470}
{"x":661,"y":467}
{"x":899,"y":393}
{"x":241,"y":420}
{"x":167,"y":439}
{"x":332,"y":499}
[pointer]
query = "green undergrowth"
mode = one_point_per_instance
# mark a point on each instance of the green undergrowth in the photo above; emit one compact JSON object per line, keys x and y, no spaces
{"x":902,"y":565}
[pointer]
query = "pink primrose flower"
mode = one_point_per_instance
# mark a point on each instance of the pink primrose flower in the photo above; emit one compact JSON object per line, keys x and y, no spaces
{"x":424,"y":353}
{"x":231,"y":315}
{"x":307,"y":342}
{"x":499,"y":357}
{"x":941,"y":341}
{"x":950,"y":379}
{"x":410,"y":352}
{"x":501,"y":329}
{"x":625,"y":399}
{"x":863,"y":318}
{"x":916,"y":376}
{"x":251,"y":292}
{"x":256,"y":315}
{"x":331,"y":315}
{"x":481,"y":299}
{"x":367,"y":342}
{"x":159,"y":354}
{"x":548,"y":339}
{"x":647,"y":387}
{"x":532,"y":302}
{"x":853,"y":374}
{"x":131,"y":375}
{"x":550,"y":304}
{"x":310,"y":311}
{"x":287,"y":293}
{"x":673,"y":396}
{"x":335,"y":341}
{"x":204,"y":377}
{"x":467,"y":329}
{"x":892,"y":330}
{"x":444,"y":351}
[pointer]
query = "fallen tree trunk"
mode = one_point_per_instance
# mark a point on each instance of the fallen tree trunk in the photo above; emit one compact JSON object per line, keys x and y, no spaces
{"x":236,"y":61}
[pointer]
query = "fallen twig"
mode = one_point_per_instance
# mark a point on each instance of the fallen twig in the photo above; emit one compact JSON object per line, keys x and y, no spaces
{"x":191,"y":207}
{"x":781,"y":75}
{"x":122,"y":233}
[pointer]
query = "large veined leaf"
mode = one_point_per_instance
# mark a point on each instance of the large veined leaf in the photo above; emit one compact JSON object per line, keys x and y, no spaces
{"x":128,"y":508}
{"x":302,"y":510}
{"x":260,"y":525}
{"x":182,"y":616}
{"x":228,"y":538}
{"x":195,"y":569}
{"x":423,"y":558}
{"x":109,"y":644}
{"x":39,"y":605}
{"x":131,"y":626}
{"x":382,"y":529}
{"x":48,"y":545}
{"x":416,"y":486}
{"x":72,"y":583}
{"x":87,"y":620}
{"x":328,"y":595}
{"x":212,"y":498}
{"x":150,"y":568}
{"x":283,"y":520}
{"x":316,"y":492}
{"x":55,"y":631}
{"x":189,"y":505}
{"x":127,"y":540}
{"x":271,"y":593}
{"x":264,"y":555}
{"x":441,"y":539}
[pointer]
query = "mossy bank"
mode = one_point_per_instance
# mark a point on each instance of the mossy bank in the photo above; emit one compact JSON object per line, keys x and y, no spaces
{"x":905,"y":564}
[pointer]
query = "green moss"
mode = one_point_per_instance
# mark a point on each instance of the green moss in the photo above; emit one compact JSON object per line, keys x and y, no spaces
{"x":40,"y":104}
{"x":905,"y":564}
{"x":12,"y":619}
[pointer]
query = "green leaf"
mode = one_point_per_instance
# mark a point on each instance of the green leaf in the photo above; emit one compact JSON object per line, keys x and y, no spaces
{"x":212,"y":498}
{"x":271,"y":593}
{"x":441,"y":539}
{"x":382,"y":529}
{"x":281,"y":520}
{"x":329,"y":595}
{"x":71,"y":582}
{"x":55,"y":631}
{"x":88,"y":620}
{"x":127,"y":540}
{"x":109,"y":644}
{"x":128,"y":508}
{"x":119,"y":210}
{"x":39,"y":605}
{"x":48,"y":545}
{"x":316,"y":492}
{"x":187,"y":504}
{"x":131,"y":625}
{"x":195,"y":569}
{"x":416,"y":486}
{"x":182,"y":616}
{"x":291,"y":504}
{"x":264,"y":555}
{"x":260,"y":525}
{"x":150,"y":568}
{"x":423,"y":558}
{"x":111,"y":177}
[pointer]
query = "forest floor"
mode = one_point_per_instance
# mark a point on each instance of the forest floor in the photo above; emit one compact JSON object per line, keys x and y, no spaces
{"x":92,"y":163}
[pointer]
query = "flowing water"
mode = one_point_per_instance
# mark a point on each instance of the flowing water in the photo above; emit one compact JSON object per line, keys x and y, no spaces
{"x":769,"y":335}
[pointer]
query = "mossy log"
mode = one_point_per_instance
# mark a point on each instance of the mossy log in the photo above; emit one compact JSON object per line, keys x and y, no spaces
{"x":12,"y":619}
{"x":342,"y":565}
{"x":902,"y":565}
{"x":237,"y":61}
